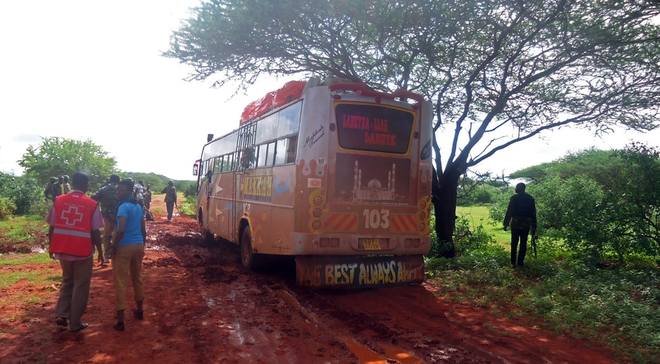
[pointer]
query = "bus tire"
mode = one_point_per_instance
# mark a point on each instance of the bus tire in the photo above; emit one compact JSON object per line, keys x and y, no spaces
{"x":249,"y":259}
{"x":208,"y":236}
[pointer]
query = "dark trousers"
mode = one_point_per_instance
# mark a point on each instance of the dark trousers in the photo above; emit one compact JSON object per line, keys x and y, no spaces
{"x":518,"y":235}
{"x":170,"y":209}
{"x":74,"y":292}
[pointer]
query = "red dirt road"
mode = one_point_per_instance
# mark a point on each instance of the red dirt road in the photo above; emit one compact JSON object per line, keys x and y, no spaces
{"x":202,"y":307}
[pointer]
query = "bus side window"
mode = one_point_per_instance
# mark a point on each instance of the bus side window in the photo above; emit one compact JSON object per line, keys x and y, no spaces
{"x":248,"y":157}
{"x":270,"y":156}
{"x":289,"y":119}
{"x":261,"y":157}
{"x":225,"y":163}
{"x":280,"y":153}
{"x":234,"y":161}
{"x":291,"y":149}
{"x":217,"y":165}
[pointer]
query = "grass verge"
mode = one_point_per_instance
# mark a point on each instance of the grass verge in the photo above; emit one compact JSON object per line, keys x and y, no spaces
{"x":22,"y":233}
{"x":617,"y":306}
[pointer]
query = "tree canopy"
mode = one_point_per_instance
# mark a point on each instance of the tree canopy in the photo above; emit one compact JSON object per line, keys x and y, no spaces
{"x":55,"y":157}
{"x":498,"y":71}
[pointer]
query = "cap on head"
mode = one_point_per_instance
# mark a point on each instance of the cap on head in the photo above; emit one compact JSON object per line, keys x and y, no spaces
{"x":53,"y":179}
{"x":520,"y":187}
{"x":80,"y":181}
{"x":170,"y":183}
{"x":114,"y":178}
{"x":66,"y":178}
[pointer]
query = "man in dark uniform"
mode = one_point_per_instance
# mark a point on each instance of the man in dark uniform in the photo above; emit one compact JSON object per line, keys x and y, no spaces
{"x":170,"y":199}
{"x":107,"y":196}
{"x":57,"y":188}
{"x":48,"y":191}
{"x":521,"y":216}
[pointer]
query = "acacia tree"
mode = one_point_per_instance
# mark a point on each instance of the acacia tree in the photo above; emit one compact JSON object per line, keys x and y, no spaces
{"x":498,"y":71}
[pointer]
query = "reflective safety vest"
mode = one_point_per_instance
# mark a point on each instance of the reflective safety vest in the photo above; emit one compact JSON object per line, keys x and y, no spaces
{"x":72,"y":228}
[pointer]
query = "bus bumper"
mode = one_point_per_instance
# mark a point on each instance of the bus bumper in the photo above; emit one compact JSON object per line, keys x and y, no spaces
{"x":358,"y":271}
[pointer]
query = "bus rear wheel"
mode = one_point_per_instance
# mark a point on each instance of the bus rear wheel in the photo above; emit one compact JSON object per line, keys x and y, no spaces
{"x":249,"y":259}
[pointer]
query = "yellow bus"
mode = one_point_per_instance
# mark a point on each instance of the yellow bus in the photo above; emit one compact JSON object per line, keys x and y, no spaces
{"x":338,"y":176}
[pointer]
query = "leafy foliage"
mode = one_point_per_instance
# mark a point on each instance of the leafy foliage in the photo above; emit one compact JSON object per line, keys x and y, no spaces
{"x":61,"y":156}
{"x":599,"y":202}
{"x":480,"y":190}
{"x":499,"y":72}
{"x":617,"y":307}
{"x":24,"y":192}
{"x":7,"y":208}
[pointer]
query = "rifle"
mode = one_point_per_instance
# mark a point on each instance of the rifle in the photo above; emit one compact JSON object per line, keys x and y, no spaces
{"x":535,"y":239}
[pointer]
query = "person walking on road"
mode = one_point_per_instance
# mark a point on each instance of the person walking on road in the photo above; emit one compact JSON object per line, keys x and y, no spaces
{"x":521,"y":217}
{"x":128,"y":246}
{"x":107,"y":197}
{"x":170,"y":199}
{"x":74,"y":220}
{"x":147,"y":197}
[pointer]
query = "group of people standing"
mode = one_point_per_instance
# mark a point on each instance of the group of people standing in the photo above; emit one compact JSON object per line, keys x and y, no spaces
{"x":57,"y":186}
{"x":75,"y":219}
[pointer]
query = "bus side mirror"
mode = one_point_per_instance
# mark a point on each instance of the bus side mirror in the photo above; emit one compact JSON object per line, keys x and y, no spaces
{"x":195,"y":169}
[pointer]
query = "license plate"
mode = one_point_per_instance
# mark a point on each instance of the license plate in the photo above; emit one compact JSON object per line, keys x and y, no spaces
{"x":370,"y":244}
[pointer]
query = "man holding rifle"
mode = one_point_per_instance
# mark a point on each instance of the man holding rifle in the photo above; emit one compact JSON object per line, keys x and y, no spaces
{"x":521,"y":216}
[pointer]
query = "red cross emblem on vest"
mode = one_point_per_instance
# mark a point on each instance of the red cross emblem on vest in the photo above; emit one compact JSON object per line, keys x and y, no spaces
{"x":71,"y":215}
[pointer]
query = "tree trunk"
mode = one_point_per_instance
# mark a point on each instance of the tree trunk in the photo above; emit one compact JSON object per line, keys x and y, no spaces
{"x":445,"y":188}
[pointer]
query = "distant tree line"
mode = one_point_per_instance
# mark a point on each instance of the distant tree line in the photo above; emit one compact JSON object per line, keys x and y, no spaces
{"x":54,"y":157}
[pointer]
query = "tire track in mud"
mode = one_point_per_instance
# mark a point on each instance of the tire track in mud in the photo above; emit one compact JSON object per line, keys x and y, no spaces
{"x":224,"y":285}
{"x":236,"y":316}
{"x":266,"y":318}
{"x":201,"y":306}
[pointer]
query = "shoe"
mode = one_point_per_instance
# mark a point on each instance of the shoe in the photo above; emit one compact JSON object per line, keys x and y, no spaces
{"x":62,"y":321}
{"x":138,"y":314}
{"x":82,"y":326}
{"x":119,"y":326}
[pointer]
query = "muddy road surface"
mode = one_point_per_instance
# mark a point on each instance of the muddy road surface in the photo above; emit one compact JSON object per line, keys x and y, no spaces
{"x":201,"y":306}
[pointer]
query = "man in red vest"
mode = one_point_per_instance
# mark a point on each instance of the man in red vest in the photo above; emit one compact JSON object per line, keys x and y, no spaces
{"x":74,"y":220}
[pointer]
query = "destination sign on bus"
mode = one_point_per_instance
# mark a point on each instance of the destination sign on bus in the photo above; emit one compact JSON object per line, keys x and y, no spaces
{"x":373,"y":127}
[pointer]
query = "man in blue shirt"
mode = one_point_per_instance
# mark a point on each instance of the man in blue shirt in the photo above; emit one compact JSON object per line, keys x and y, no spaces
{"x":128,"y":251}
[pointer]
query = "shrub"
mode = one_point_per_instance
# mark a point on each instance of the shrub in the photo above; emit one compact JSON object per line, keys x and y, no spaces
{"x":7,"y":208}
{"x":24,"y":191}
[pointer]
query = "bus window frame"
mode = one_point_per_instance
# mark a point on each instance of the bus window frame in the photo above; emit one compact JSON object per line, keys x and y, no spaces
{"x":366,"y":151}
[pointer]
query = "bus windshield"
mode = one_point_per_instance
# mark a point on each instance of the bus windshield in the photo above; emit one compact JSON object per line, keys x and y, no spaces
{"x":373,"y":128}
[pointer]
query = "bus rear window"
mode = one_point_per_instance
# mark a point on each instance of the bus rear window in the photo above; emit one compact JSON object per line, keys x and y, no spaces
{"x":373,"y":127}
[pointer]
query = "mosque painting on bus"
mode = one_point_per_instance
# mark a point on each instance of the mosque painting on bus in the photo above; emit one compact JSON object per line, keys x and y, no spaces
{"x":368,"y":178}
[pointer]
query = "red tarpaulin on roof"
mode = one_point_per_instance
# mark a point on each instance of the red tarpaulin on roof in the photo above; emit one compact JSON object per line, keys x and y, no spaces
{"x":274,"y":99}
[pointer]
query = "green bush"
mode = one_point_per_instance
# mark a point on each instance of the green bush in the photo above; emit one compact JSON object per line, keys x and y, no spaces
{"x":24,"y":191}
{"x":603,"y":211}
{"x":617,"y":307}
{"x":7,"y":208}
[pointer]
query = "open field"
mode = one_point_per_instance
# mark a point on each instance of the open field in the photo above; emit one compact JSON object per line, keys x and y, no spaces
{"x":479,"y":215}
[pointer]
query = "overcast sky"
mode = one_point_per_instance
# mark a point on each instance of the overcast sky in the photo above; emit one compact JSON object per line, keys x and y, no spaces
{"x":94,"y":70}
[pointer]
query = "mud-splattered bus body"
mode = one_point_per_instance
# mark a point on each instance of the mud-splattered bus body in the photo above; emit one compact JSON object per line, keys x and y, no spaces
{"x":339,"y":177}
